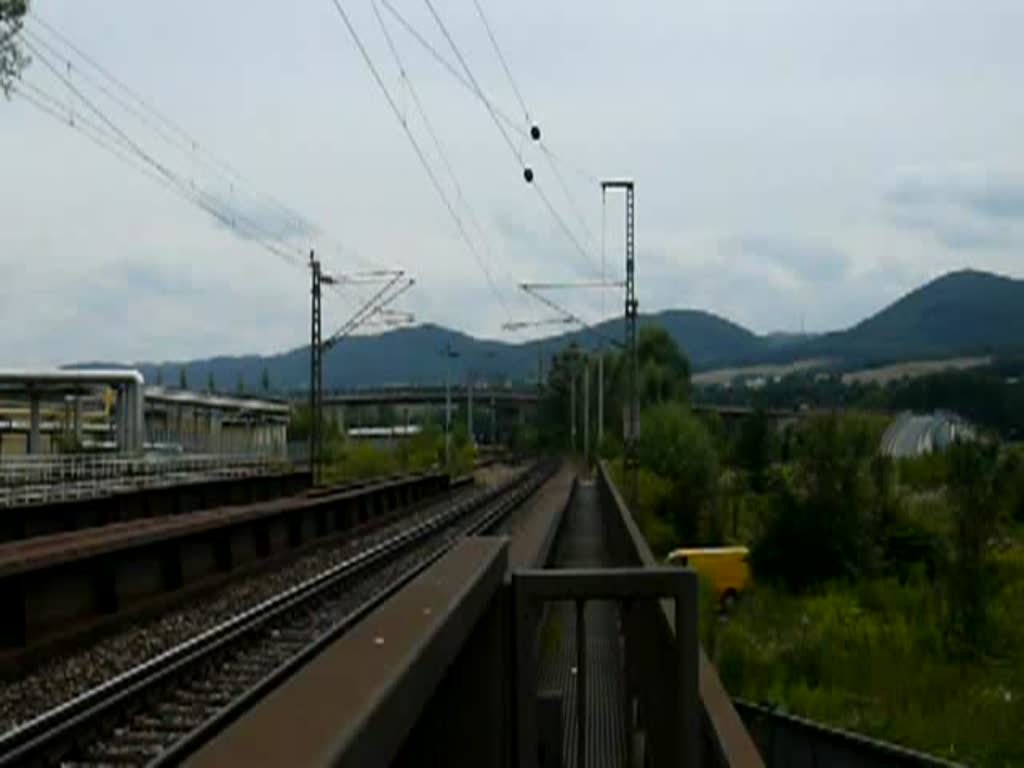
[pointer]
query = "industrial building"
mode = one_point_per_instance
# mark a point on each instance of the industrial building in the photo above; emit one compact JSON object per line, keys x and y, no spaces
{"x":44,"y":412}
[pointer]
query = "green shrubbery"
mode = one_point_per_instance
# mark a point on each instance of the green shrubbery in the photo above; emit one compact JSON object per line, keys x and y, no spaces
{"x":352,"y":460}
{"x":890,"y":599}
{"x":873,"y":657}
{"x":889,"y":596}
{"x":821,"y":516}
{"x":676,"y":446}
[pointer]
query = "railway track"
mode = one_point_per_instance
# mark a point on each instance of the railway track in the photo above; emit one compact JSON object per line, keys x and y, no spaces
{"x":162,"y":710}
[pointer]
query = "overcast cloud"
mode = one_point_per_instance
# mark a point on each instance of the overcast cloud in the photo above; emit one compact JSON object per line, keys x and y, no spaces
{"x":798,"y":162}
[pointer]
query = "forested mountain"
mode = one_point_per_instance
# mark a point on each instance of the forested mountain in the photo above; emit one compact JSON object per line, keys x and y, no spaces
{"x":961,"y":312}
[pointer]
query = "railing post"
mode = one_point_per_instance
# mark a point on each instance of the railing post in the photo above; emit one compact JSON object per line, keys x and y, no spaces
{"x":581,"y":684}
{"x":688,"y":684}
{"x":526,"y":679}
{"x":625,"y":624}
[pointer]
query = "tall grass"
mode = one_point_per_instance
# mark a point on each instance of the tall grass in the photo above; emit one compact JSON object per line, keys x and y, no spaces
{"x":873,"y":658}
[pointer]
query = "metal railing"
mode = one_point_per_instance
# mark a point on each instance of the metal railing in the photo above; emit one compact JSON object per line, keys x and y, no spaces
{"x":674,"y":726}
{"x":28,"y":480}
{"x":725,"y":739}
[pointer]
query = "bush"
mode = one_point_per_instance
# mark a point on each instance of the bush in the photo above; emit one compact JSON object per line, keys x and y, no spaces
{"x":871,"y":658}
{"x":922,"y":473}
{"x":364,"y":460}
{"x":676,"y":445}
{"x":907,"y":543}
{"x":976,"y":485}
{"x":421,"y":451}
{"x":653,"y":490}
{"x":820,"y":523}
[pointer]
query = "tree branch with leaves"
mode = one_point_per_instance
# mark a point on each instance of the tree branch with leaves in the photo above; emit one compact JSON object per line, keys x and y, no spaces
{"x":12,"y":59}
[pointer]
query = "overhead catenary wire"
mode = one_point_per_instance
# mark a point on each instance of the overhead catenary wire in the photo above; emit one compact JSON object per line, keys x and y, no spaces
{"x":55,"y":108}
{"x":566,"y":229}
{"x":201,"y":199}
{"x":384,"y":297}
{"x":110,"y":137}
{"x":468,"y":82}
{"x":115,"y":140}
{"x":167,"y":128}
{"x":501,"y":58}
{"x":439,"y":147}
{"x":548,"y":155}
{"x":174,"y":135}
{"x":118,"y":149}
{"x":405,"y":127}
{"x":451,"y":69}
{"x":516,"y":153}
{"x":571,"y":316}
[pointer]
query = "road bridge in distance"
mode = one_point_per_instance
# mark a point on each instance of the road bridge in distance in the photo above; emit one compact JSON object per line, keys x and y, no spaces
{"x":517,"y":400}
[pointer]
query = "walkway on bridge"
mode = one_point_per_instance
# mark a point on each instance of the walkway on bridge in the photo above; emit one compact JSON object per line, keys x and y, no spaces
{"x":582,"y":544}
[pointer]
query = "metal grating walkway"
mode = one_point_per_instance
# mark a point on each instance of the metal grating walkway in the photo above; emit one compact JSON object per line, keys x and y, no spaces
{"x":582,"y":544}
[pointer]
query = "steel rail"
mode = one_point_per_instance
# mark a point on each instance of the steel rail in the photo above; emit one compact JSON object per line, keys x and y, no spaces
{"x":73,"y":725}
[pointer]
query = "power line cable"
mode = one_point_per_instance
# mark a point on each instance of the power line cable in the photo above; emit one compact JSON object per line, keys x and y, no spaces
{"x":549,"y":157}
{"x":178,"y":137}
{"x":428,"y":123}
{"x":169,"y":130}
{"x":587,"y":326}
{"x":516,"y":153}
{"x":405,"y":127}
{"x":44,"y":102}
{"x":504,"y":133}
{"x":198,"y":197}
{"x":566,"y":229}
{"x":57,"y":109}
{"x":208,"y":202}
{"x":501,"y":58}
{"x":452,"y":70}
{"x":115,"y":141}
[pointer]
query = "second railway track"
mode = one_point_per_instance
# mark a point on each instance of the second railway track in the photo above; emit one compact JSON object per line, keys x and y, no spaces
{"x":160,"y":711}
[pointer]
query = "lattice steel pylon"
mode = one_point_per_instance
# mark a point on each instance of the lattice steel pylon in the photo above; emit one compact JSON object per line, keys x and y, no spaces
{"x":316,"y":375}
{"x":631,"y":427}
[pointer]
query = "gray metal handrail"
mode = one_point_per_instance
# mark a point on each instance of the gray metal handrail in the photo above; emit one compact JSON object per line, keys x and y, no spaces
{"x":43,"y":479}
{"x":531,"y":588}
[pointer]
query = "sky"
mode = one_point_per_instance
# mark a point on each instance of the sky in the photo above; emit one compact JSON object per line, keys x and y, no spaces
{"x":799,"y":164}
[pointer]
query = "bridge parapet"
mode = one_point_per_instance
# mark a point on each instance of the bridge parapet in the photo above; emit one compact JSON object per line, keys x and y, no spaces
{"x":724,"y":737}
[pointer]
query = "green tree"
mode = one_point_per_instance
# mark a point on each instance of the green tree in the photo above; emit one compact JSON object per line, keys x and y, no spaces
{"x":240,"y":384}
{"x":182,"y":379}
{"x":555,"y":406}
{"x":12,"y":59}
{"x":300,"y":426}
{"x":977,"y":486}
{"x":211,"y":384}
{"x":664,"y":376}
{"x":755,"y":447}
{"x":676,"y":445}
{"x":821,"y":521}
{"x":664,"y":370}
{"x":265,"y":380}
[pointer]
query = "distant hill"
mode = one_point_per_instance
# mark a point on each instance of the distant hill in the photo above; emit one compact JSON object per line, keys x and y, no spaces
{"x":779,"y":339}
{"x":413,"y":355}
{"x":959,"y":313}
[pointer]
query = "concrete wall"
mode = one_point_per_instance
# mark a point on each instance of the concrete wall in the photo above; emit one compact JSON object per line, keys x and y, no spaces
{"x":46,"y":597}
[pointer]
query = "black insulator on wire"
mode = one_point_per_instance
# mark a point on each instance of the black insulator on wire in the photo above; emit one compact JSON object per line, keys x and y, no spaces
{"x":535,"y":132}
{"x":528,"y":175}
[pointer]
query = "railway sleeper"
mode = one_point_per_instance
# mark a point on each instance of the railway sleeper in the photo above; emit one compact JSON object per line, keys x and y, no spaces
{"x":177,"y":704}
